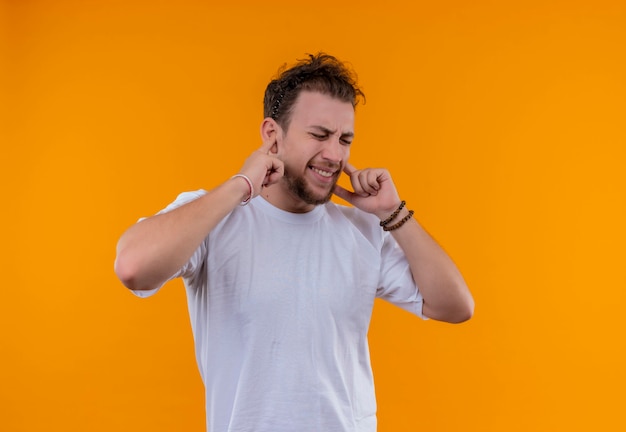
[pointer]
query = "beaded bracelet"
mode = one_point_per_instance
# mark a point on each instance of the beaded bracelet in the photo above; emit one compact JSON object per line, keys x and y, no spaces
{"x":393,"y":215}
{"x":399,"y":224}
{"x":250,"y":187}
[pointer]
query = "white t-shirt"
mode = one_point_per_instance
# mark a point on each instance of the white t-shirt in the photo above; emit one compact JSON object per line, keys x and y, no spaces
{"x":280,"y":305}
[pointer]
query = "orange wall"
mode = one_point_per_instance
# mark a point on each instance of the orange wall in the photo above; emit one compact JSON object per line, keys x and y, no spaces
{"x":503,"y":124}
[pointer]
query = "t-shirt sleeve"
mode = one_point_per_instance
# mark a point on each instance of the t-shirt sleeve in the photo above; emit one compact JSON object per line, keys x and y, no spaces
{"x":190,"y":268}
{"x":397,"y":285}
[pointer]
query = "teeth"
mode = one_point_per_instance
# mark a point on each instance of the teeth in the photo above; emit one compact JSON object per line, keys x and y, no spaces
{"x":322,"y":173}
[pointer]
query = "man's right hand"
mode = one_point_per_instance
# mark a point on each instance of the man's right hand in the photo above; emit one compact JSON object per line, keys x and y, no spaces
{"x":262,"y":168}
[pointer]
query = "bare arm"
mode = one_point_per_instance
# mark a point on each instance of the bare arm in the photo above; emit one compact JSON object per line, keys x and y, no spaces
{"x":446,"y":296}
{"x":152,"y":250}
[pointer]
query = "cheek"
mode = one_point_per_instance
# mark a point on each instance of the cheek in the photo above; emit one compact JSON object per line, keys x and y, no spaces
{"x":297,"y":160}
{"x":346,"y":154}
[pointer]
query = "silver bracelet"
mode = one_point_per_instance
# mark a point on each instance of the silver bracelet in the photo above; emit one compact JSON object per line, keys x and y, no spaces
{"x":250,"y":186}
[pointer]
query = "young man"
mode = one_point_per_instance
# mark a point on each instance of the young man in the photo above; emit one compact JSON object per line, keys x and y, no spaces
{"x":280,"y":281}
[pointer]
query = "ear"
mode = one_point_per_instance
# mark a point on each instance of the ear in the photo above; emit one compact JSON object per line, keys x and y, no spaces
{"x":271,"y":132}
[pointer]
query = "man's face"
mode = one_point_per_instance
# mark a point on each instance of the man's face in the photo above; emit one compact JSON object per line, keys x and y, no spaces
{"x":316,"y":145}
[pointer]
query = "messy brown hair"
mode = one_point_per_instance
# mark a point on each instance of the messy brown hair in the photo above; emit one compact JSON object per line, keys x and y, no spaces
{"x":321,"y":73}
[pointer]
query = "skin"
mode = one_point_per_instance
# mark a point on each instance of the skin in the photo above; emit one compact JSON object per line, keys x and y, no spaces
{"x":296,"y":169}
{"x":314,"y":150}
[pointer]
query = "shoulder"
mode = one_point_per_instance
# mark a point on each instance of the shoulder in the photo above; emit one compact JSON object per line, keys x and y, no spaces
{"x":365,"y":223}
{"x":184,"y":198}
{"x":352,"y":213}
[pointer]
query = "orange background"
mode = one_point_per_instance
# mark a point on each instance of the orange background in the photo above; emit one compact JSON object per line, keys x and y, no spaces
{"x":503,"y":124}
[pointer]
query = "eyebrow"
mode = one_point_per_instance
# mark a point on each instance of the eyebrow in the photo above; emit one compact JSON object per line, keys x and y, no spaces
{"x":332,"y":132}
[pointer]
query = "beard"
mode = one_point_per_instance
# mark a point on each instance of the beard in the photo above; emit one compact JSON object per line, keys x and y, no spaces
{"x":298,"y":186}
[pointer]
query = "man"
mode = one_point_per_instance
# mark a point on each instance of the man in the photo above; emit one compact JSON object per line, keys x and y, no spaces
{"x":280,"y":281}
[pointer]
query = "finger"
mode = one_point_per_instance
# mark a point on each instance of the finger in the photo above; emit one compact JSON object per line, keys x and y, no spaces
{"x":274,"y":173}
{"x":370,"y":182}
{"x":266,"y":146}
{"x":349,"y":169}
{"x":365,"y":183}
{"x":343,"y":193}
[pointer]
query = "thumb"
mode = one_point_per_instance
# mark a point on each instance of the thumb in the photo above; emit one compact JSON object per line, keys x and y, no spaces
{"x":343,"y":193}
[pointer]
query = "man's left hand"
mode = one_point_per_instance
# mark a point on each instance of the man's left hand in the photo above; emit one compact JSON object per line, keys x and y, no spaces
{"x":374,"y":191}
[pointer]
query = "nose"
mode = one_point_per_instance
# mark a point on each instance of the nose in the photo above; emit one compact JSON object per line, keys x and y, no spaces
{"x":334,"y":151}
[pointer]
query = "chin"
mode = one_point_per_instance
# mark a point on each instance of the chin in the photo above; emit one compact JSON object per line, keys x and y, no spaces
{"x":303,"y":191}
{"x":320,"y":201}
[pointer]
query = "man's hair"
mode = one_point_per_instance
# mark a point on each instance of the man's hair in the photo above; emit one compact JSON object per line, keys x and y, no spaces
{"x":319,"y":73}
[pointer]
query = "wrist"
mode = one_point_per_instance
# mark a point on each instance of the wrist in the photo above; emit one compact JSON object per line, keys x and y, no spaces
{"x":387,"y":215}
{"x":403,"y":217}
{"x":397,"y":218}
{"x":245,"y":186}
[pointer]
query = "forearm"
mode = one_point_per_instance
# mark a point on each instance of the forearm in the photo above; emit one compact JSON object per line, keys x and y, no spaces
{"x":152,"y":250}
{"x":446,"y":296}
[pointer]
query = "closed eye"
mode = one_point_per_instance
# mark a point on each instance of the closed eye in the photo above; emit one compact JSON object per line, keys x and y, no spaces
{"x":319,"y":136}
{"x":323,"y":137}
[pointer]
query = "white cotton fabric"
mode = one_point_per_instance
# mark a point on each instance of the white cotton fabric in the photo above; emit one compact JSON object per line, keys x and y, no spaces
{"x":280,"y":305}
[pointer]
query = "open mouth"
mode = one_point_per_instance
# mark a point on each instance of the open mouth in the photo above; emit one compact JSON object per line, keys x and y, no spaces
{"x":323,"y":173}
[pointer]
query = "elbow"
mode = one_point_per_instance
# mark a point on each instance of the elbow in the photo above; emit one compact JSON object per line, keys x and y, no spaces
{"x":463,"y":314}
{"x":453,"y":312}
{"x":456,"y":316}
{"x":127,"y":271}
{"x":464,"y":305}
{"x":464,"y":310}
